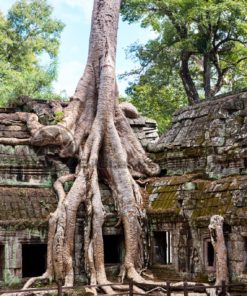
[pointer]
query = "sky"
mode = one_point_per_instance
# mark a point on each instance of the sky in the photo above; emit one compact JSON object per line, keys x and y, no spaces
{"x":76,"y":15}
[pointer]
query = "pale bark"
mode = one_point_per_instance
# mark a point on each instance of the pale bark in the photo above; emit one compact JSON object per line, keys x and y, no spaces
{"x":218,"y":242}
{"x":95,"y":130}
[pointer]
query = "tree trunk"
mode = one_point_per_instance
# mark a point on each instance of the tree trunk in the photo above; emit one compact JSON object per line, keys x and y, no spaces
{"x":95,"y":130}
{"x":218,"y":242}
{"x":206,"y":77}
{"x":188,"y":82}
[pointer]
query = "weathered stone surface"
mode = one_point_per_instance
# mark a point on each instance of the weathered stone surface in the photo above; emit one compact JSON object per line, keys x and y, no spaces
{"x":145,"y":130}
{"x":211,"y":136}
{"x":25,"y":205}
{"x":203,"y":157}
{"x":206,"y":146}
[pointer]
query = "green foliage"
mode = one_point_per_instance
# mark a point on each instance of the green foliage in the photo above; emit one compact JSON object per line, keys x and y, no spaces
{"x":204,"y":40}
{"x":157,"y":101}
{"x":58,"y":116}
{"x":28,"y":37}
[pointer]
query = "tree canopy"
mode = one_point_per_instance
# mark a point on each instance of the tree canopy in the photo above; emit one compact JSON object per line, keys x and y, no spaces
{"x":200,"y":48}
{"x":156,"y":98}
{"x":28,"y":37}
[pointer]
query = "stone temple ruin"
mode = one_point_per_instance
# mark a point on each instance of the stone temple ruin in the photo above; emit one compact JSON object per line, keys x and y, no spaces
{"x":203,"y":159}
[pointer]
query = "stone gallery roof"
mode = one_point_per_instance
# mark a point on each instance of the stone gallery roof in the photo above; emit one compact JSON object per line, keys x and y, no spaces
{"x":163,"y":193}
{"x":25,"y":205}
{"x":26,"y":197}
{"x":145,"y":130}
{"x":208,"y":138}
{"x":199,"y":199}
{"x":204,"y":158}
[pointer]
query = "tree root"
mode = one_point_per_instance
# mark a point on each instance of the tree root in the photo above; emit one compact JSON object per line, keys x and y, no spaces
{"x":32,"y":280}
{"x":14,"y":141}
{"x":49,"y":273}
{"x":95,"y":131}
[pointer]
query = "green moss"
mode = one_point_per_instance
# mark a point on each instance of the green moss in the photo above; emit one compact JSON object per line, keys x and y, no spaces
{"x":204,"y":198}
{"x":58,"y":116}
{"x":212,"y":204}
{"x":165,"y":215}
{"x":10,"y":279}
{"x":149,"y":188}
{"x":200,"y":140}
{"x":68,"y":185}
{"x":164,"y":201}
{"x":201,"y":277}
{"x":165,"y":188}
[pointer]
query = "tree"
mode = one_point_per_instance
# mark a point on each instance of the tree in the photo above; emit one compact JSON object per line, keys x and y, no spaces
{"x":218,"y":242}
{"x":28,"y":34}
{"x":156,"y":100}
{"x":95,"y":130}
{"x":201,"y":41}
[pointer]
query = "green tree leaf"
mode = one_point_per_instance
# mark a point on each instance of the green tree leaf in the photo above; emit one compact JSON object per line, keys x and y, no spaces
{"x":200,"y":44}
{"x":27,"y":35}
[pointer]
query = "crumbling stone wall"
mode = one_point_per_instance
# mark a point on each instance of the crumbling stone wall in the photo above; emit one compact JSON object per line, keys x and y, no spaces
{"x":209,"y":138}
{"x":203,"y":160}
{"x":203,"y":157}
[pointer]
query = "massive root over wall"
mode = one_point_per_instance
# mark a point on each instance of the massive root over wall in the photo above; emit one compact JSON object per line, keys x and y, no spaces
{"x":95,"y":130}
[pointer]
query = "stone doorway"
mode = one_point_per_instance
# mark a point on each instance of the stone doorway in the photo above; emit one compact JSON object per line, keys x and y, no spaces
{"x":33,"y":259}
{"x":2,"y":261}
{"x":162,"y":247}
{"x":113,"y":245}
{"x":209,"y":255}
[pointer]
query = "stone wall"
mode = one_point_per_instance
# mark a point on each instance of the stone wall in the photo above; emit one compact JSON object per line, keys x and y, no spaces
{"x":203,"y":160}
{"x":12,"y":239}
{"x":209,"y":137}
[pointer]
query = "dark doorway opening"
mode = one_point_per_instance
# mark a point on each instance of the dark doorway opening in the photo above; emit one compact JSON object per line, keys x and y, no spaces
{"x":112,"y":248}
{"x":210,"y":254}
{"x":162,"y":247}
{"x":33,"y":259}
{"x":2,"y":261}
{"x":245,"y":255}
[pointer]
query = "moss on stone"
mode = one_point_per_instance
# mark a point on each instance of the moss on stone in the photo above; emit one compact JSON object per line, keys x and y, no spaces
{"x":201,"y":277}
{"x":203,"y":198}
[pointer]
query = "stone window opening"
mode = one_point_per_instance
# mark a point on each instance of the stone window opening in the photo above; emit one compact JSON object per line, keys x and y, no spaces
{"x":245,"y":255}
{"x":162,"y":247}
{"x":209,"y":255}
{"x":113,"y":248}
{"x":33,"y":259}
{"x":2,"y":261}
